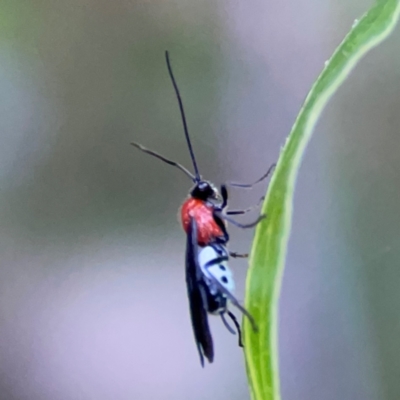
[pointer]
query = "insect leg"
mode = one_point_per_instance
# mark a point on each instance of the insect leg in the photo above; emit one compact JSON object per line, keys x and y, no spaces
{"x":227,"y":326}
{"x":222,"y":226}
{"x":233,"y":254}
{"x":250,"y":185}
{"x":246,"y":210}
{"x":236,"y":323}
{"x":234,"y":301}
{"x":218,"y":214}
{"x":224,"y":195}
{"x":238,"y":224}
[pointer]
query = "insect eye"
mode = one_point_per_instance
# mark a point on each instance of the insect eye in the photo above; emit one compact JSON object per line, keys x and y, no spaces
{"x":224,"y":279}
{"x":222,"y":267}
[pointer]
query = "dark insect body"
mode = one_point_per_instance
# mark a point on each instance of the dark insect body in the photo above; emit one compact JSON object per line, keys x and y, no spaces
{"x":203,"y":218}
{"x":210,"y":285}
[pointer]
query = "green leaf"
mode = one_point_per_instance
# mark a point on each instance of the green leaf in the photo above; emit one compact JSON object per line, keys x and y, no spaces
{"x":268,"y":253}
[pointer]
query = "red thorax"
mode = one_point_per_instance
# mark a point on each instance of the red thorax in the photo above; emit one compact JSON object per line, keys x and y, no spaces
{"x":207,"y":229}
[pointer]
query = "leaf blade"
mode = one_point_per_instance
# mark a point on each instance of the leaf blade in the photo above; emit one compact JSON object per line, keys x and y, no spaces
{"x":268,"y":253}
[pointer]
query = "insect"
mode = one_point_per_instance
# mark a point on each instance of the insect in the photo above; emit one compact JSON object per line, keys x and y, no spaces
{"x":210,"y":285}
{"x":204,"y":216}
{"x":205,"y":203}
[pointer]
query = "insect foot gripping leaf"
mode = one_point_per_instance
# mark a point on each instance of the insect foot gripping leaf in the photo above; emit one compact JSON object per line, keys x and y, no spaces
{"x":269,"y":248}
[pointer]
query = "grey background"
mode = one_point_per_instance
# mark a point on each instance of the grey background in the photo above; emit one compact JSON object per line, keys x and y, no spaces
{"x":92,"y":295}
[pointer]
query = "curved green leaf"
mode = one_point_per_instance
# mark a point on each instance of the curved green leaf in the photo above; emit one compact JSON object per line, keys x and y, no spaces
{"x":271,"y":238}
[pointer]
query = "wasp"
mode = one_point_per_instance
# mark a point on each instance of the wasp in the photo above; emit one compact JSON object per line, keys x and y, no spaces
{"x":204,"y":218}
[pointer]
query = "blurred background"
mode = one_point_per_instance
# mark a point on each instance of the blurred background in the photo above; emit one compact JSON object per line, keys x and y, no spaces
{"x":92,"y":294}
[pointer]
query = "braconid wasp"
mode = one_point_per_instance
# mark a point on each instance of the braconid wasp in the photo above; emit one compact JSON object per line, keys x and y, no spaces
{"x":204,"y":216}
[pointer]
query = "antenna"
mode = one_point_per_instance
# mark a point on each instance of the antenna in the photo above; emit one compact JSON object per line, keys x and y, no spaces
{"x":166,"y":160}
{"x":185,"y":128}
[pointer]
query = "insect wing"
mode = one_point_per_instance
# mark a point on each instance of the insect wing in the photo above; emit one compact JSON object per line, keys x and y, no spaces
{"x":197,"y":297}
